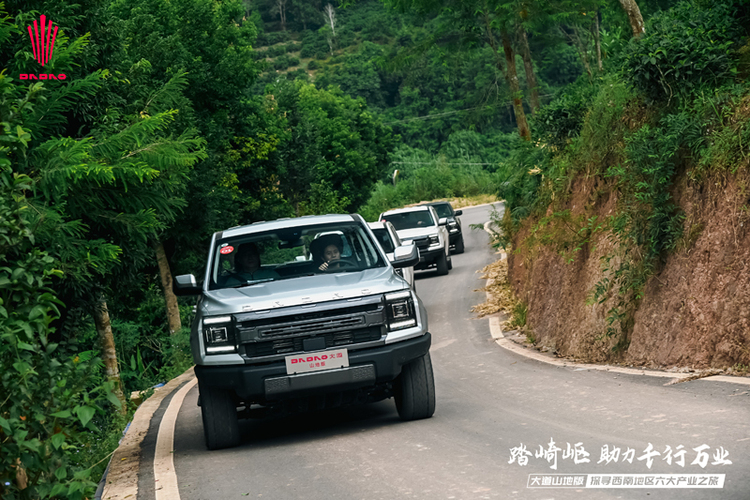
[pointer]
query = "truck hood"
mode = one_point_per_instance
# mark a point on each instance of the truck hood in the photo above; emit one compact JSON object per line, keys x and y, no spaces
{"x":420,"y":232}
{"x":299,"y":291}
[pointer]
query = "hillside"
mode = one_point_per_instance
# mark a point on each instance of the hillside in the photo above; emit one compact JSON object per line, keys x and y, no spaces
{"x":630,"y":241}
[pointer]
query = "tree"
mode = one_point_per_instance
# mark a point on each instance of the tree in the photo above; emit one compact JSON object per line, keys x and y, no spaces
{"x":307,"y":12}
{"x":330,"y":150}
{"x":528,"y":66}
{"x":488,"y":22}
{"x":279,"y":8}
{"x":49,"y":391}
{"x":330,"y":16}
{"x":634,"y":16}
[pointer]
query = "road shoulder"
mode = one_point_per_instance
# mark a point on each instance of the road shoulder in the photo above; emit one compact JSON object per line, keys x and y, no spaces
{"x":122,"y":477}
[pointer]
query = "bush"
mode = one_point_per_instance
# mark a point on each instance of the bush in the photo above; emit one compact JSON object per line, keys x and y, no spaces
{"x":423,"y":177}
{"x":273,"y":38}
{"x":282,"y":62}
{"x":518,"y":179}
{"x":313,"y":65}
{"x":561,"y":120}
{"x":275,"y":51}
{"x":313,"y":43}
{"x":684,"y":49}
{"x":50,"y":393}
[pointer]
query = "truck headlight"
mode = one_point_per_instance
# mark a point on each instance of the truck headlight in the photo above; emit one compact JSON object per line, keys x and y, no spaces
{"x":434,"y":240}
{"x":400,"y":310}
{"x":218,"y":334}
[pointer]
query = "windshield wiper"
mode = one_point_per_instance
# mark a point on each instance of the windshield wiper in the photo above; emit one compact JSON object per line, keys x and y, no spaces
{"x":255,"y":282}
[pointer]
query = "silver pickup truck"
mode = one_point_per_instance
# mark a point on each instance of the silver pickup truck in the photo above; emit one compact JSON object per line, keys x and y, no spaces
{"x":305,"y":313}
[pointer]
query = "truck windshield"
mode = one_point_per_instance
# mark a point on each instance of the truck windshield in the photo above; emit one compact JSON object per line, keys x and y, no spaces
{"x":288,"y":253}
{"x":384,"y":239}
{"x":443,"y":210}
{"x":410,"y":220}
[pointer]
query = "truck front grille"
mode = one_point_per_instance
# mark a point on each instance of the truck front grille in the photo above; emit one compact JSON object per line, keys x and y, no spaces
{"x":311,"y":326}
{"x":295,"y":344}
{"x":290,"y":330}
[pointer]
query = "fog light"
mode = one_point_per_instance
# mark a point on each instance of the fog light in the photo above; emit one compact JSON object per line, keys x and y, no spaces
{"x":400,"y":309}
{"x":218,"y":334}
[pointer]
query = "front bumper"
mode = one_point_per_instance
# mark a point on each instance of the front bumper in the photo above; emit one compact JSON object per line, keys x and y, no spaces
{"x":269,"y":382}
{"x":428,"y":257}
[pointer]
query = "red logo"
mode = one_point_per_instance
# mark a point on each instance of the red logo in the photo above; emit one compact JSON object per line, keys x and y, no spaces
{"x":316,"y":358}
{"x":226,"y":250}
{"x":42,"y":40}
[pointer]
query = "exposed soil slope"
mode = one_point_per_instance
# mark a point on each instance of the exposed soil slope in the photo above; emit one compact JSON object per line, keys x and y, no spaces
{"x":695,"y":311}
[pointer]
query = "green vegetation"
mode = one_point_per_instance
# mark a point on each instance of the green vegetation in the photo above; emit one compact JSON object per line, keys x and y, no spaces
{"x":161,"y":134}
{"x":690,"y":70}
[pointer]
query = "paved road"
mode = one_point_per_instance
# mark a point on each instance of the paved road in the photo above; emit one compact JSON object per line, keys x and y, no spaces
{"x":489,"y":402}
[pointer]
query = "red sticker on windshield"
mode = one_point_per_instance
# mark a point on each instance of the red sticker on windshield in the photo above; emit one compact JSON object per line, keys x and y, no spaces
{"x":226,"y":250}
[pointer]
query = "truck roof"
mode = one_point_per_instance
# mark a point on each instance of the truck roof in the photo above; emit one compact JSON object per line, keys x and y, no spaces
{"x":288,"y":222}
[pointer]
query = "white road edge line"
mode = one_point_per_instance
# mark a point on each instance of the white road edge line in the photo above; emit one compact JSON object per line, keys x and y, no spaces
{"x":497,"y":335}
{"x":165,"y":479}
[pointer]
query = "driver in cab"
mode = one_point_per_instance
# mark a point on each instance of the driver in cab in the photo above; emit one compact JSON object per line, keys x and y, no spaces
{"x":327,"y":252}
{"x":247,"y":266}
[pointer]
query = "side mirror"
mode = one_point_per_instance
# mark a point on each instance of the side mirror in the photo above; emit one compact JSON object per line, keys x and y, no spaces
{"x":185,"y":285}
{"x":458,"y":212}
{"x":442,"y":221}
{"x":405,"y":256}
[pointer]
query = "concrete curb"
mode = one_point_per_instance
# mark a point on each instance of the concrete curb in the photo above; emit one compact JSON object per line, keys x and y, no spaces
{"x":506,"y":343}
{"x":122,"y":478}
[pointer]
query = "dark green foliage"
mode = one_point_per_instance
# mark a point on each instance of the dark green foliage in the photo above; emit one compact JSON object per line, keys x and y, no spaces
{"x":328,"y":140}
{"x":313,"y":42}
{"x":284,"y":61}
{"x":50,"y":393}
{"x":557,"y":123}
{"x":356,"y":75}
{"x":273,"y":38}
{"x":274,"y":51}
{"x":686,"y":48}
{"x":559,"y":64}
{"x":465,"y":167}
{"x":519,"y":180}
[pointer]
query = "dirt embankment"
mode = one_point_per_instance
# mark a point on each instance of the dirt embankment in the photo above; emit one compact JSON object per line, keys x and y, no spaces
{"x":695,"y":311}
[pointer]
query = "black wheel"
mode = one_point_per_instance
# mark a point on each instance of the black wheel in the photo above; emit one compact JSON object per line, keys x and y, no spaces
{"x":442,"y":264}
{"x":415,"y":390}
{"x":459,"y":245}
{"x":220,"y":426}
{"x":450,"y":262}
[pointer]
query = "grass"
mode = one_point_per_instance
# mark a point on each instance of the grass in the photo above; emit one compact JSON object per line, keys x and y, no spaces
{"x":500,"y":299}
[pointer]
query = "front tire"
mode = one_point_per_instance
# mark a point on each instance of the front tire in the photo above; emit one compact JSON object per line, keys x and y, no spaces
{"x":220,"y":425}
{"x":415,"y":390}
{"x":460,"y":245}
{"x":442,"y":264}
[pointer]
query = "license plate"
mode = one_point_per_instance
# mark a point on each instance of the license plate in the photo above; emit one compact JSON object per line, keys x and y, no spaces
{"x":317,"y":361}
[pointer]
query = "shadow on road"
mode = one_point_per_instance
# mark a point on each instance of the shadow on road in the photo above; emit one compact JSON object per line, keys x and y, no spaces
{"x":272,"y":431}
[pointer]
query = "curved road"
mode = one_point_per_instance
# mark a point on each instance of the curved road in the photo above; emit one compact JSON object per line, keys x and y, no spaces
{"x":493,"y":406}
